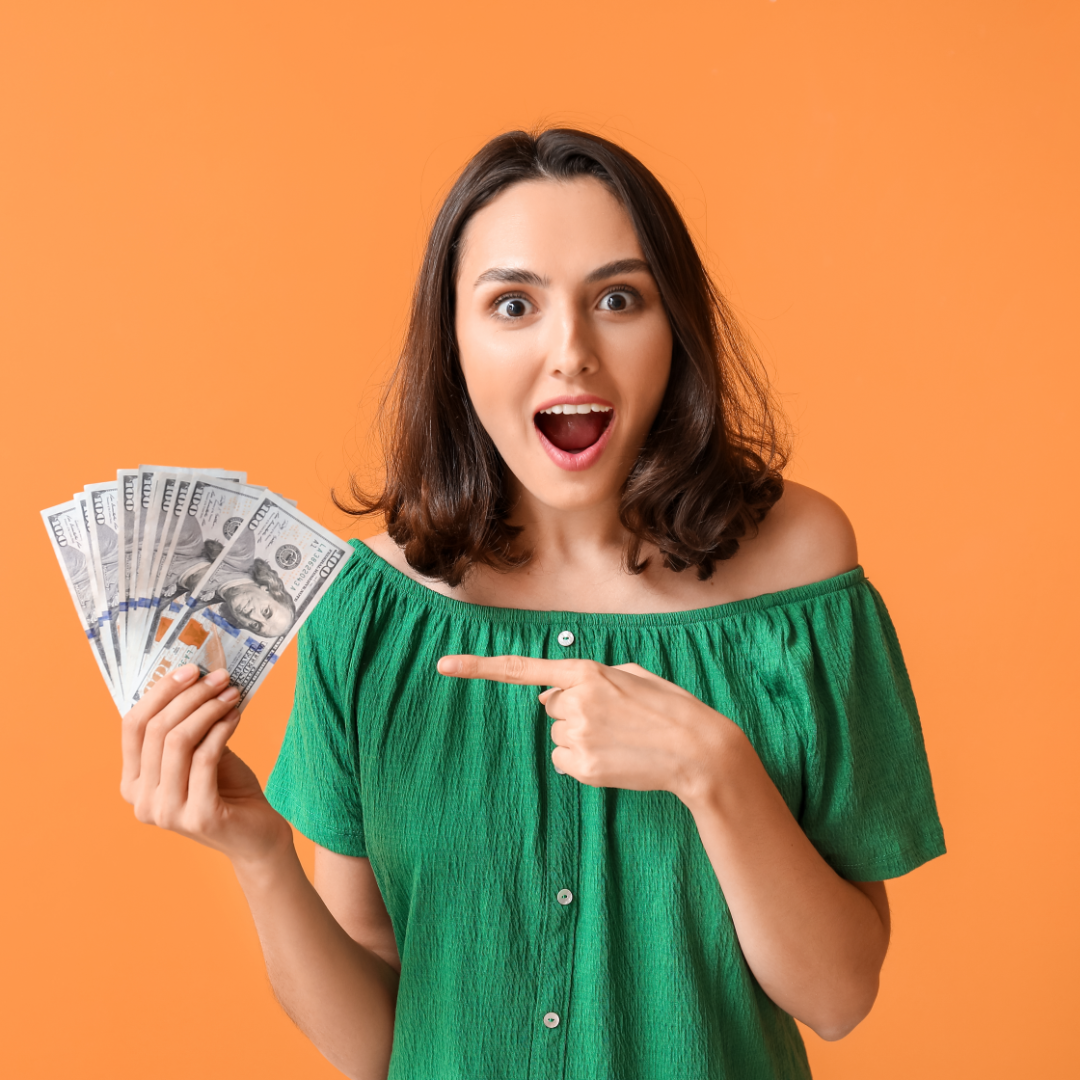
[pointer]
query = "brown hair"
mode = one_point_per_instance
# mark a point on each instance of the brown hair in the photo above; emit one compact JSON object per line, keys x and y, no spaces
{"x":710,"y":468}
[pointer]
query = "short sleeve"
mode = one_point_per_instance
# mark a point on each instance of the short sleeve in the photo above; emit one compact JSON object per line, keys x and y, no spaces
{"x":869,"y":805}
{"x":315,"y":782}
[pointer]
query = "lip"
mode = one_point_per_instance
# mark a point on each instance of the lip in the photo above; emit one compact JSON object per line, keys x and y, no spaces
{"x":584,"y":458}
{"x":573,"y":399}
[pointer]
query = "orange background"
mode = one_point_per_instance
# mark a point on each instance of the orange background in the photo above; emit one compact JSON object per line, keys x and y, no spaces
{"x":211,"y":218}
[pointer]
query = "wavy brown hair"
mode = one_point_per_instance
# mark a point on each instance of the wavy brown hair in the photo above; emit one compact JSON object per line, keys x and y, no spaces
{"x":710,"y":467}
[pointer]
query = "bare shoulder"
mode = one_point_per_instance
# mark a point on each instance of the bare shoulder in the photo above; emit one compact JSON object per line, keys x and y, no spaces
{"x":811,"y":531}
{"x":387,"y":550}
{"x":804,"y":538}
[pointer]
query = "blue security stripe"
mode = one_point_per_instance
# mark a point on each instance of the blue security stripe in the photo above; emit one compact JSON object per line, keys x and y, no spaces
{"x":257,"y":646}
{"x":272,"y":657}
{"x":174,"y":606}
{"x":218,"y":620}
{"x":142,"y":603}
{"x":91,"y":634}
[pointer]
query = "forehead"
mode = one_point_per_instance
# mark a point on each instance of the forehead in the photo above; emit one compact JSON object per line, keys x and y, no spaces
{"x":548,"y":226}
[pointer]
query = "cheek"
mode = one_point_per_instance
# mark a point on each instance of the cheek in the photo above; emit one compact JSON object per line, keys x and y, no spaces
{"x":499,"y":381}
{"x":646,"y":362}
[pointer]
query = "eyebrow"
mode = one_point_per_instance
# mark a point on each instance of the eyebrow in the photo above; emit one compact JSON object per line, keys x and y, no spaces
{"x":615,"y":269}
{"x":510,"y":275}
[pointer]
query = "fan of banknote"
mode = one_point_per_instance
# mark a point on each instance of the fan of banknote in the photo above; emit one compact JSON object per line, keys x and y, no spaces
{"x":169,"y":566}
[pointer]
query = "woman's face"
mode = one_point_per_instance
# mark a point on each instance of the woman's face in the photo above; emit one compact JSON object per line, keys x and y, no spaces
{"x":253,"y":608}
{"x":564,"y":342}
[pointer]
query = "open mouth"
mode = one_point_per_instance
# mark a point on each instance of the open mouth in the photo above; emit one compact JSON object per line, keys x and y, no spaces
{"x":574,"y":428}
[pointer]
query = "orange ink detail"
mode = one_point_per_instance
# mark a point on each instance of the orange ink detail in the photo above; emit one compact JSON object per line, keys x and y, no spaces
{"x":193,"y":634}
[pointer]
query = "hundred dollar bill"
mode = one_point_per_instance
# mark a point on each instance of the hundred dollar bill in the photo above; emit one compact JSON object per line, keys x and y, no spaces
{"x":206,"y":520}
{"x":126,"y":488}
{"x":156,"y":485}
{"x":144,"y":499}
{"x":174,"y":505}
{"x":105,"y":550}
{"x":162,"y":493}
{"x":71,"y":545}
{"x":252,"y":600}
{"x":97,"y":590}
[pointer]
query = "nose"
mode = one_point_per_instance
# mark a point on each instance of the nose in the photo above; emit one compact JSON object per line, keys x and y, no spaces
{"x":572,"y":351}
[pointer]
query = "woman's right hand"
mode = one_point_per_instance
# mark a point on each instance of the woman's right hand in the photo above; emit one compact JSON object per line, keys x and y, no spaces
{"x":179,"y":773}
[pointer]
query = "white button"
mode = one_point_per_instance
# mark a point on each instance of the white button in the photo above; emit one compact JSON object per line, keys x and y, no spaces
{"x":565,"y":896}
{"x":551,"y":1019}
{"x":566,"y":638}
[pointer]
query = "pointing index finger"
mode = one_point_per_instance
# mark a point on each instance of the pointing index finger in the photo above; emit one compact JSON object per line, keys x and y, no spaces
{"x":522,"y":670}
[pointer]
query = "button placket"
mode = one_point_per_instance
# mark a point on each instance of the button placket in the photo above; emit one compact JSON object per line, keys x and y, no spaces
{"x":554,"y":986}
{"x":565,"y":639}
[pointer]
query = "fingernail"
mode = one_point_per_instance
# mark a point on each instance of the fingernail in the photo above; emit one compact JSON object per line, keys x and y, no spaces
{"x":217,"y":678}
{"x":449,"y":666}
{"x":231,"y":694}
{"x":185,"y":673}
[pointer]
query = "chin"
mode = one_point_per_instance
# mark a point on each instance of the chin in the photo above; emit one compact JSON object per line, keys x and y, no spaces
{"x":569,"y":492}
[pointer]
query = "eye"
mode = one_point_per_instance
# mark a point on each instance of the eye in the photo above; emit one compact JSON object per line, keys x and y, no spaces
{"x":513,"y":307}
{"x":618,"y":299}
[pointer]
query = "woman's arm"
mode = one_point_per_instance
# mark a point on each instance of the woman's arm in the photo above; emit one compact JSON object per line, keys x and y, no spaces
{"x":814,"y":941}
{"x":348,"y":887}
{"x":179,"y":774}
{"x":340,"y":994}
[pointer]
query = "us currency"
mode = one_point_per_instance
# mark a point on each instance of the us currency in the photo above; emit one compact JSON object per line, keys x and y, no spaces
{"x":156,"y":485}
{"x":252,"y":600}
{"x":174,"y":491}
{"x":174,"y":505}
{"x":112,"y":662}
{"x":147,"y":494}
{"x":126,"y":494}
{"x":144,"y":497}
{"x":163,"y":491}
{"x":206,"y":520}
{"x":71,"y":545}
{"x":103,"y":526}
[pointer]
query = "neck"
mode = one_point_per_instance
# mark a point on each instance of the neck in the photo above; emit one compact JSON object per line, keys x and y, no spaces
{"x":566,"y":542}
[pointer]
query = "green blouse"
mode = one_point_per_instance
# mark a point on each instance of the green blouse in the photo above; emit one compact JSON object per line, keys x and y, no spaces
{"x":548,"y":929}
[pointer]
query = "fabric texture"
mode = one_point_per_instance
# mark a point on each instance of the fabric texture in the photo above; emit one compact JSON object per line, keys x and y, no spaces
{"x":447,"y":786}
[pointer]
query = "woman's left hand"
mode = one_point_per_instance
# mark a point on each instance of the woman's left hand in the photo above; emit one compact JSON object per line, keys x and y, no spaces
{"x":620,"y":727}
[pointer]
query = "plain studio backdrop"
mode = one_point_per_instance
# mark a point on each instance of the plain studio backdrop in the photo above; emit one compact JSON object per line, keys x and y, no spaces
{"x":210,"y":220}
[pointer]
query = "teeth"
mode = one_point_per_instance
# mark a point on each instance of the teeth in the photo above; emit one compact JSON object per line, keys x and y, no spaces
{"x":559,"y":410}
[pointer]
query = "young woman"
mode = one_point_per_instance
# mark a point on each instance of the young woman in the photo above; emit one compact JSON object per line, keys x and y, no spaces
{"x":607,"y":744}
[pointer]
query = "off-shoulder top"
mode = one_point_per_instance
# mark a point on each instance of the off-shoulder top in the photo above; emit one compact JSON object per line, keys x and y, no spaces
{"x":548,"y":929}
